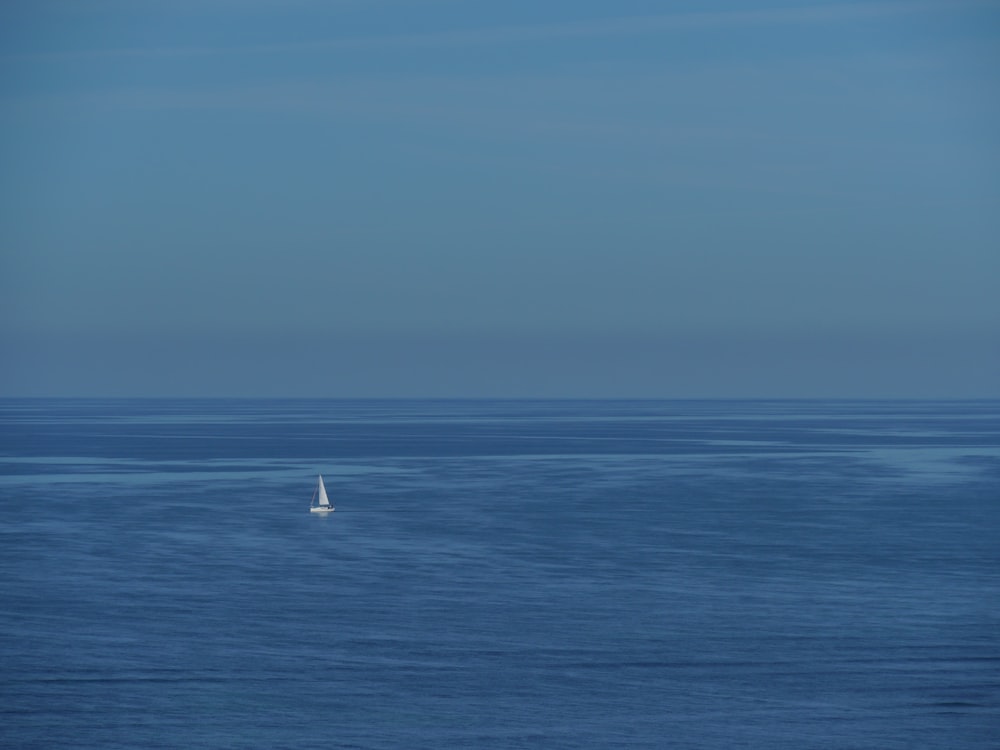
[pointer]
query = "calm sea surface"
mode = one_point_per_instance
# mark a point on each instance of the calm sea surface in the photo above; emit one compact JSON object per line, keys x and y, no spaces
{"x":500,"y":574}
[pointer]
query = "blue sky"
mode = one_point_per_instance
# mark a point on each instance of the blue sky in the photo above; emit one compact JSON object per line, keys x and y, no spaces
{"x":442,"y":198}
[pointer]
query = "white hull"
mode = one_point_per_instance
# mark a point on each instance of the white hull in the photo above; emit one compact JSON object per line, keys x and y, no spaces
{"x":320,"y":510}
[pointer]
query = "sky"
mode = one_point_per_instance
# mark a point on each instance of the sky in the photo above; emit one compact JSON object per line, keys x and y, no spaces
{"x":450,"y":198}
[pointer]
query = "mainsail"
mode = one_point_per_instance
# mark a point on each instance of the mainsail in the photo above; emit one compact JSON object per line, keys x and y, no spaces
{"x":324,"y":501}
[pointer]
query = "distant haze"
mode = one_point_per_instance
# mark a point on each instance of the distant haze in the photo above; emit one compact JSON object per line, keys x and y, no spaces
{"x":443,"y":198}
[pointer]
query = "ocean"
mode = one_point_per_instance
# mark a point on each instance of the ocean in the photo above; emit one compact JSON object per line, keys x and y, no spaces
{"x":500,"y":574}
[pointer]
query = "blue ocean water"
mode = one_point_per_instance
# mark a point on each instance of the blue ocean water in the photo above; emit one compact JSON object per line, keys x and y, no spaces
{"x":500,"y":574}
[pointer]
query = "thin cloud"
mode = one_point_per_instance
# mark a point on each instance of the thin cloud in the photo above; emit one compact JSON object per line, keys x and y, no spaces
{"x":608,"y":27}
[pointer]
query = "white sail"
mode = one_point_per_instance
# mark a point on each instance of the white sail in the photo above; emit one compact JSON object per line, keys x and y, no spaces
{"x":324,"y":501}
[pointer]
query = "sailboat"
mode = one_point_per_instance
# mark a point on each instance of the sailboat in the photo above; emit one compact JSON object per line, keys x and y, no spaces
{"x":323,"y":506}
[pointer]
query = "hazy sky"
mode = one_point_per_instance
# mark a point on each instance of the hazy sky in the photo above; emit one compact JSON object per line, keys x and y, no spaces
{"x":460,"y":198}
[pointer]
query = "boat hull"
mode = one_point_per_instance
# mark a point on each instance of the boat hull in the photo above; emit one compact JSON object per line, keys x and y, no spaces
{"x":321,"y":510}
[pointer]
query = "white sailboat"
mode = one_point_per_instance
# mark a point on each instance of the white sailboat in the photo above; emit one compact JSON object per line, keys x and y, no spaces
{"x":323,"y":506}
